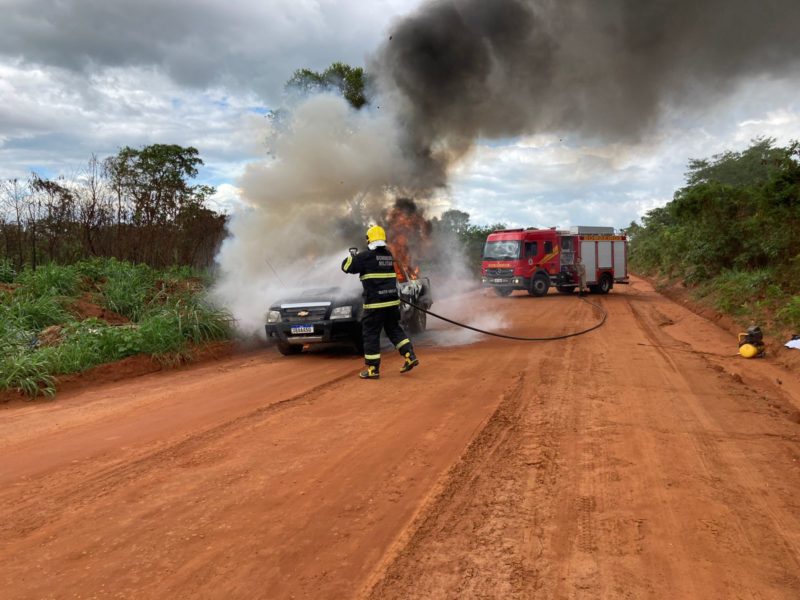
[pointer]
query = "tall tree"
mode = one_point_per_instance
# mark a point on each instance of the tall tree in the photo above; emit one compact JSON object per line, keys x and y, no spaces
{"x":52,"y":205}
{"x":456,"y":221}
{"x":349,"y":81}
{"x":153,"y":190}
{"x":14,"y":199}
{"x":156,"y":181}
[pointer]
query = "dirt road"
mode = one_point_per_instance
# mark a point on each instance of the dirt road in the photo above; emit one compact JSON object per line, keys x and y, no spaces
{"x":643,"y":460}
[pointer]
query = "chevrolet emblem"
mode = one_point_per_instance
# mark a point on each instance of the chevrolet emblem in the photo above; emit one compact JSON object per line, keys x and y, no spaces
{"x":303,"y":313}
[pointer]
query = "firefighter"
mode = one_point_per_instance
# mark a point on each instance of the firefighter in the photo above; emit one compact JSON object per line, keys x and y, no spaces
{"x":375,"y":266}
{"x":580,"y":271}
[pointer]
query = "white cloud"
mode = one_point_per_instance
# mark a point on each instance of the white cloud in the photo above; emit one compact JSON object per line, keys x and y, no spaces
{"x":90,"y":76}
{"x":203,"y":72}
{"x":53,"y":120}
{"x":228,"y":199}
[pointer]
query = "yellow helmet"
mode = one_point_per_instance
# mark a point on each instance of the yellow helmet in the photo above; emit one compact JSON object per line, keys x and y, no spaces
{"x":748,"y":350}
{"x":376,"y":233}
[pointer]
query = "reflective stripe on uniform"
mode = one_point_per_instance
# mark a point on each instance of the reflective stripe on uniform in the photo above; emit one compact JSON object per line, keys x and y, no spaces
{"x":372,"y":356}
{"x":347,"y":263}
{"x":383,"y":304}
{"x":391,"y":275}
{"x":403,"y":343}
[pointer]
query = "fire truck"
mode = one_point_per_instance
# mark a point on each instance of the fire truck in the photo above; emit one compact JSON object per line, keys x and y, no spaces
{"x":536,"y":259}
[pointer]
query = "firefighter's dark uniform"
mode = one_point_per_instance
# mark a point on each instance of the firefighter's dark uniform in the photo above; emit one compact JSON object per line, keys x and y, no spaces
{"x":381,"y":304}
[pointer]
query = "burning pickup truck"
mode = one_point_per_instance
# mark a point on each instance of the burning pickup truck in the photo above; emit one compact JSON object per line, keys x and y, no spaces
{"x":333,"y":315}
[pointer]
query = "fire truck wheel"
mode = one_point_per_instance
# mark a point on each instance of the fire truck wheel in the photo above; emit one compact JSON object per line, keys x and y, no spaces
{"x":539,"y":286}
{"x":503,"y":291}
{"x":605,"y":284}
{"x":289,"y":349}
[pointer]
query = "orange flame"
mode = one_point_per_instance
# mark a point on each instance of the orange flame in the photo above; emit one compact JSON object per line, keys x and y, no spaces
{"x":406,"y":229}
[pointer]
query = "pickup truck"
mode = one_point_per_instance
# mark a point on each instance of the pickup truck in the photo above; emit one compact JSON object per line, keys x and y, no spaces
{"x":333,"y":316}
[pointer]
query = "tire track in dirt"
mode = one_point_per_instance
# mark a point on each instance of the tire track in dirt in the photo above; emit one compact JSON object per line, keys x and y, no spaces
{"x":49,"y":501}
{"x":483,"y":533}
{"x":655,"y":476}
{"x":479,"y":457}
{"x":737,"y":487}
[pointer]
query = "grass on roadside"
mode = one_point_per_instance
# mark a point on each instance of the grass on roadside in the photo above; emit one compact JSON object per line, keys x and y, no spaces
{"x":753,"y":296}
{"x":168,"y":313}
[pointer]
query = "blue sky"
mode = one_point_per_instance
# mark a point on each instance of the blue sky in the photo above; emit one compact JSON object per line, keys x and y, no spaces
{"x":95,"y":75}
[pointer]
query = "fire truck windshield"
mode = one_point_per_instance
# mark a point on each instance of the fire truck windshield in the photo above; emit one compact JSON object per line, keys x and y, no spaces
{"x":502,"y":250}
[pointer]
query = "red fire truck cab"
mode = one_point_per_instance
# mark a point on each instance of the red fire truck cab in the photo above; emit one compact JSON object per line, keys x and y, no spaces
{"x":535,"y":259}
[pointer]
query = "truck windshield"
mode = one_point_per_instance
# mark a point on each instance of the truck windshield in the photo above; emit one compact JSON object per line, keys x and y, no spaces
{"x":503,"y":250}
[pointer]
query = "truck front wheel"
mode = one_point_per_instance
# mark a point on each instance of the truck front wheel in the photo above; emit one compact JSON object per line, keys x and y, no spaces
{"x":539,"y":285}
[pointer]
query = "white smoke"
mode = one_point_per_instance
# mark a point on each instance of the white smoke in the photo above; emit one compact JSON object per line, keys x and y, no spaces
{"x":332,"y":170}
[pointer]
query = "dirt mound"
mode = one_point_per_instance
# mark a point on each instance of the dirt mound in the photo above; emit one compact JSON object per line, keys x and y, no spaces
{"x":85,"y":308}
{"x":51,"y":336}
{"x":176,"y":287}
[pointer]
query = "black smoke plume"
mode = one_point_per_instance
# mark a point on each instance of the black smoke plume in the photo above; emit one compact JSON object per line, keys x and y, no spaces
{"x":463,"y":69}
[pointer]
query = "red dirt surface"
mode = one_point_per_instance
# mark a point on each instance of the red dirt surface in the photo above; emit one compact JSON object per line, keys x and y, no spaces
{"x":644,"y":460}
{"x":85,"y":308}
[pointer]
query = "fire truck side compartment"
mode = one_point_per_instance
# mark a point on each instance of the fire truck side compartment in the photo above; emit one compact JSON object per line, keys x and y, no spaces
{"x":589,"y":258}
{"x":620,"y":261}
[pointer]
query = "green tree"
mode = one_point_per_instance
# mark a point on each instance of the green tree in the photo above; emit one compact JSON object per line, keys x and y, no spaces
{"x":349,"y":81}
{"x":455,"y":221}
{"x":156,"y":201}
{"x":155,"y":180}
{"x":739,"y":210}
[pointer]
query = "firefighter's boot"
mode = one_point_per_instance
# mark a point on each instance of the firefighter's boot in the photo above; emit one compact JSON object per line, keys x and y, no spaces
{"x":371,"y":372}
{"x":411,"y":362}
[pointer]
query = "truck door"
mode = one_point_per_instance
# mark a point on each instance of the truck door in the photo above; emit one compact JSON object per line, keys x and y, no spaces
{"x":530,"y":252}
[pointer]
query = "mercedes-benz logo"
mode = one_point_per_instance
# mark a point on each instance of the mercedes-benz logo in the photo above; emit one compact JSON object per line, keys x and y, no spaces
{"x":303,"y":313}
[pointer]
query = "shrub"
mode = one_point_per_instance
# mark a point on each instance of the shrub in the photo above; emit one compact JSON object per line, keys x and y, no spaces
{"x":128,"y":288}
{"x":27,"y":371}
{"x":790,"y":314}
{"x":33,"y":312}
{"x":734,"y":290}
{"x":7,"y":272}
{"x":50,"y":280}
{"x":161,"y":332}
{"x":95,"y":269}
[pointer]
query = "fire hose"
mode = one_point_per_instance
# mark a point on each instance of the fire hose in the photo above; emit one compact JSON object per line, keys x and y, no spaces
{"x":602,"y":311}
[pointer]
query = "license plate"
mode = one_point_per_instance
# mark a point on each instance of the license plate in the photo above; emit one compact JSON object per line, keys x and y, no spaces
{"x":499,"y":281}
{"x":297,"y":329}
